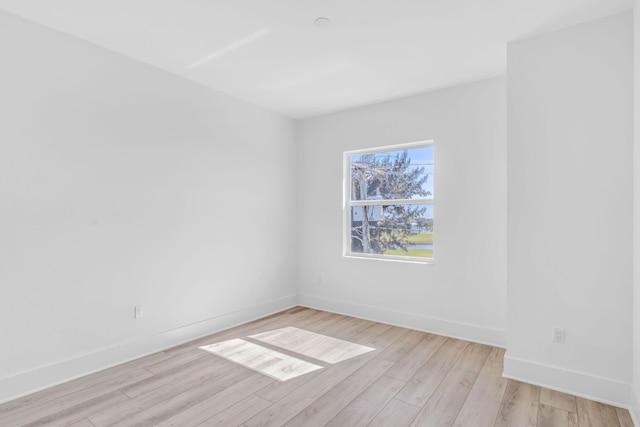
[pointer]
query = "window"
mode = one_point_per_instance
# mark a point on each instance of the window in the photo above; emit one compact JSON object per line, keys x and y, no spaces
{"x":388,"y":202}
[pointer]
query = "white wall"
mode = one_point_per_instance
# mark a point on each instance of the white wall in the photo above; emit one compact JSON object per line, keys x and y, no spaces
{"x":570,"y":208}
{"x":635,"y":393}
{"x":122,"y":184}
{"x":464,"y":293}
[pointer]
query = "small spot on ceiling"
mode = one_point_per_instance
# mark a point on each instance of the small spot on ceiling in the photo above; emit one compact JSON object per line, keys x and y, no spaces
{"x":322,"y":22}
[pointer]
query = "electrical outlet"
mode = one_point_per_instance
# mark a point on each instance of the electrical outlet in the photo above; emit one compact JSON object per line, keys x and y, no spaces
{"x":557,"y":335}
{"x":138,"y":312}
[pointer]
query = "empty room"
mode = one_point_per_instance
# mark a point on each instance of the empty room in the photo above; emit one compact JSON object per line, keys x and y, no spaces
{"x":309,"y":213}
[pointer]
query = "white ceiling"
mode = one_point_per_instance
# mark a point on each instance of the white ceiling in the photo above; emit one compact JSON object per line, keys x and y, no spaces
{"x":270,"y":53}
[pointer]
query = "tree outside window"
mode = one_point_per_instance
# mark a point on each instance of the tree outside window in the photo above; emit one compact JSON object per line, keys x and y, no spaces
{"x":389,"y":206}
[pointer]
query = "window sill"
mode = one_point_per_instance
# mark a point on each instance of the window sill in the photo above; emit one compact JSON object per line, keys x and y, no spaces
{"x":390,"y":258}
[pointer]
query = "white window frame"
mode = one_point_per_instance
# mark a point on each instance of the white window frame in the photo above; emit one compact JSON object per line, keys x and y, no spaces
{"x":348,"y":203}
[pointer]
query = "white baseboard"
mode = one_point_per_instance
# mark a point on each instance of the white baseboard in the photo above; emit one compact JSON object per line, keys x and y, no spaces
{"x":634,"y":407}
{"x":465,"y":331}
{"x":605,"y":390}
{"x":25,"y":383}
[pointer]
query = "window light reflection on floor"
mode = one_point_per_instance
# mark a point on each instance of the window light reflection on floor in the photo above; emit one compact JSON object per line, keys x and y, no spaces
{"x":264,"y":360}
{"x":317,"y":346}
{"x":280,"y":366}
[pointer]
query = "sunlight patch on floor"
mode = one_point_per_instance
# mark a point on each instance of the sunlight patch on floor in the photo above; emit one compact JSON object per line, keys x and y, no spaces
{"x":313,"y":345}
{"x":280,"y":366}
{"x":274,"y":364}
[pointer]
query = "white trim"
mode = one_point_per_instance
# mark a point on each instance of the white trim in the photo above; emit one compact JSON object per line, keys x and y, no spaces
{"x":588,"y":386}
{"x":634,"y":407}
{"x":448,"y":328}
{"x":386,"y":202}
{"x":393,"y":147}
{"x":393,"y":258}
{"x":25,"y":383}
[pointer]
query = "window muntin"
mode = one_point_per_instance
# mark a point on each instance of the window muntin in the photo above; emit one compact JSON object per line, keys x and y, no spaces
{"x":389,"y":202}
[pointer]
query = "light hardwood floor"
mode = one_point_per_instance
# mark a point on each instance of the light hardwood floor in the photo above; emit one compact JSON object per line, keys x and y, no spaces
{"x":339,"y":371}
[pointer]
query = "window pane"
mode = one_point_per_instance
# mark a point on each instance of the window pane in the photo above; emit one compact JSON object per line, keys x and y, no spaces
{"x":401,"y":230}
{"x":388,"y":175}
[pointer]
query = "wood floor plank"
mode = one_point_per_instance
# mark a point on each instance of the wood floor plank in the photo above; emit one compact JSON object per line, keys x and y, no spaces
{"x":212,"y":406}
{"x":425,"y":381}
{"x":558,"y":400}
{"x":277,"y":391}
{"x":297,"y":400}
{"x":359,"y":327}
{"x":624,"y":417}
{"x":347,"y":327}
{"x":395,"y":413}
{"x":316,"y":318}
{"x":311,"y":344}
{"x":323,"y":325}
{"x":377,"y":329}
{"x":78,"y":412}
{"x":595,"y":414}
{"x":371,"y":333}
{"x":238,"y":413}
{"x":481,"y":407}
{"x":365,"y":407}
{"x":329,"y":324}
{"x":53,"y":393}
{"x":217,"y":376}
{"x":519,"y":405}
{"x":550,"y":416}
{"x":387,"y":338}
{"x":497,"y":355}
{"x":334,"y":400}
{"x":154,"y":415}
{"x":294,"y":310}
{"x":171,"y":376}
{"x":82,"y":423}
{"x":30,"y":413}
{"x":406,"y":367}
{"x":174,"y":362}
{"x":262,"y":359}
{"x":403,"y":345}
{"x":445,"y":403}
{"x":409,"y":378}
